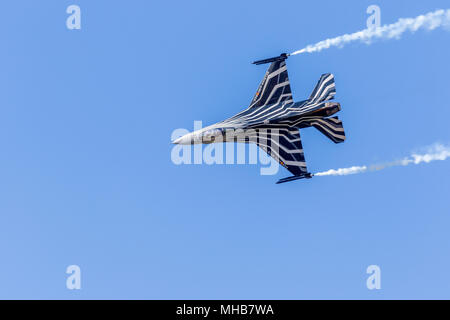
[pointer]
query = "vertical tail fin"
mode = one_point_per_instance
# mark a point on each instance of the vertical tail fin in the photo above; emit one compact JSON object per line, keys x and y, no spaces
{"x":324,"y":90}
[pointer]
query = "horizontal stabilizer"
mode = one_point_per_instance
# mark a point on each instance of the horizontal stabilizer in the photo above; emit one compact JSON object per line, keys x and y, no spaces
{"x":330,"y":127}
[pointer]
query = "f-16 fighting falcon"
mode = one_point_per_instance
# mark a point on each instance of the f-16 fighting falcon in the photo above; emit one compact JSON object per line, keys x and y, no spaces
{"x":273,"y":119}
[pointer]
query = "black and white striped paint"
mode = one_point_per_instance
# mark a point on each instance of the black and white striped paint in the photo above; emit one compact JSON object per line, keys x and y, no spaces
{"x":273,"y":119}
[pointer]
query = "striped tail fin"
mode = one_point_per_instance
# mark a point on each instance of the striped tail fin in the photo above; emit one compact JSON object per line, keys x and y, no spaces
{"x":324,"y":90}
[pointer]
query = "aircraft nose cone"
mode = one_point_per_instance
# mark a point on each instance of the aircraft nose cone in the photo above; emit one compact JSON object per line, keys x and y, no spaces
{"x":186,"y":139}
{"x":177,"y":141}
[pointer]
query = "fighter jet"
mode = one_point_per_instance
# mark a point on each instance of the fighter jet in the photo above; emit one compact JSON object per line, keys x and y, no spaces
{"x":273,"y":119}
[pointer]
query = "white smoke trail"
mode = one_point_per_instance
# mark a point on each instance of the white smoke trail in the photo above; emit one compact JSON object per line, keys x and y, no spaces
{"x":435,"y":152}
{"x":342,"y":171}
{"x":429,"y":21}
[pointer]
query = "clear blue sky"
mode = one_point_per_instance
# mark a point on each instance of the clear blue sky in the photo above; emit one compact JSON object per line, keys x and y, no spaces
{"x":86,"y":175}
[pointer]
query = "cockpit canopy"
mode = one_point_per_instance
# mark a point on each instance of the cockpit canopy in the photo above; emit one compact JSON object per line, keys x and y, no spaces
{"x":212,"y":133}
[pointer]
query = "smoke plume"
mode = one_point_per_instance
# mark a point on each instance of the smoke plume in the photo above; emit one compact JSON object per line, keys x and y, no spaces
{"x":433,"y":153}
{"x":429,"y":21}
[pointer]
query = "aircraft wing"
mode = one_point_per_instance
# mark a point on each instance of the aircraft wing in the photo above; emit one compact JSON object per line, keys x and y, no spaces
{"x":274,"y":87}
{"x":285,"y":146}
